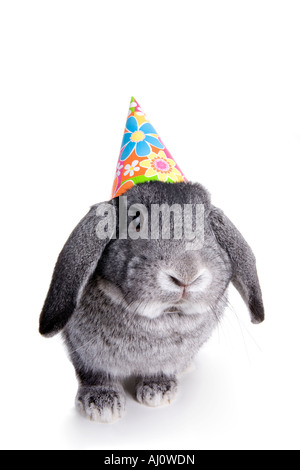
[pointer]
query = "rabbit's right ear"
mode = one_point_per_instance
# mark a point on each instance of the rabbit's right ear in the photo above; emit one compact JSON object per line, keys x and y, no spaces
{"x":244,"y":273}
{"x":76,"y":263}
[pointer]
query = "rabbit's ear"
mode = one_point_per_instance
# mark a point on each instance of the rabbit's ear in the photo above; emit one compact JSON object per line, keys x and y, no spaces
{"x":244,"y":273}
{"x":76,"y":263}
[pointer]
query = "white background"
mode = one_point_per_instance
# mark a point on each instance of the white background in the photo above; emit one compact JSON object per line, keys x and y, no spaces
{"x":220,"y":80}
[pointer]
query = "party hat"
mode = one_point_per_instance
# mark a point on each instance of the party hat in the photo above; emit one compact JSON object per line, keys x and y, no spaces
{"x":143,"y":156}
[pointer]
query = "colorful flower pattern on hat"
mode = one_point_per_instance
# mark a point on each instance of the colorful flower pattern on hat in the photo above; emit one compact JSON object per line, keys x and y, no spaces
{"x":162,"y":167}
{"x":138,"y":138}
{"x":143,"y":156}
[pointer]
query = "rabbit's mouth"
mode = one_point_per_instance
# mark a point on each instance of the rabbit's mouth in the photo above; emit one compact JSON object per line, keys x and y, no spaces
{"x":183,"y":307}
{"x":188,"y":307}
{"x":174,"y":309}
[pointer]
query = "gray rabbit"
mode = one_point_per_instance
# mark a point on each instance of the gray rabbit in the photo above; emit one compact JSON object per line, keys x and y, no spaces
{"x":143,"y":307}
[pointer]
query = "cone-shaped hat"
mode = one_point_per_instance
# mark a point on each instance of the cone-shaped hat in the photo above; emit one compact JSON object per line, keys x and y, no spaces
{"x":143,"y":156}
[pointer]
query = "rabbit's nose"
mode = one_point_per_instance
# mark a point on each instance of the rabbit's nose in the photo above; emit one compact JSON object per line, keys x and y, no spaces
{"x":177,"y":282}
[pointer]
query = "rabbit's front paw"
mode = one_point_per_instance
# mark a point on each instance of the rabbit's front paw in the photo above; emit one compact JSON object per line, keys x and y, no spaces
{"x":156,"y":391}
{"x":103,"y":403}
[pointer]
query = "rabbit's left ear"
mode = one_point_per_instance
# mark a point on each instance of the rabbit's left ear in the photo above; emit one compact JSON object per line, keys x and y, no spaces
{"x":244,"y":273}
{"x":75,"y":265}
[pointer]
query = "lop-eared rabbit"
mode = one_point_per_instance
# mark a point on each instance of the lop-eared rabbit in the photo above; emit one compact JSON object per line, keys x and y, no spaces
{"x":143,"y":306}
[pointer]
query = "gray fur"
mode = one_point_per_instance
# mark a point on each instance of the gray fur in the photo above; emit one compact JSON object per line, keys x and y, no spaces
{"x":244,"y":276}
{"x":76,"y":263}
{"x":103,"y":403}
{"x":156,"y":391}
{"x":120,"y":308}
